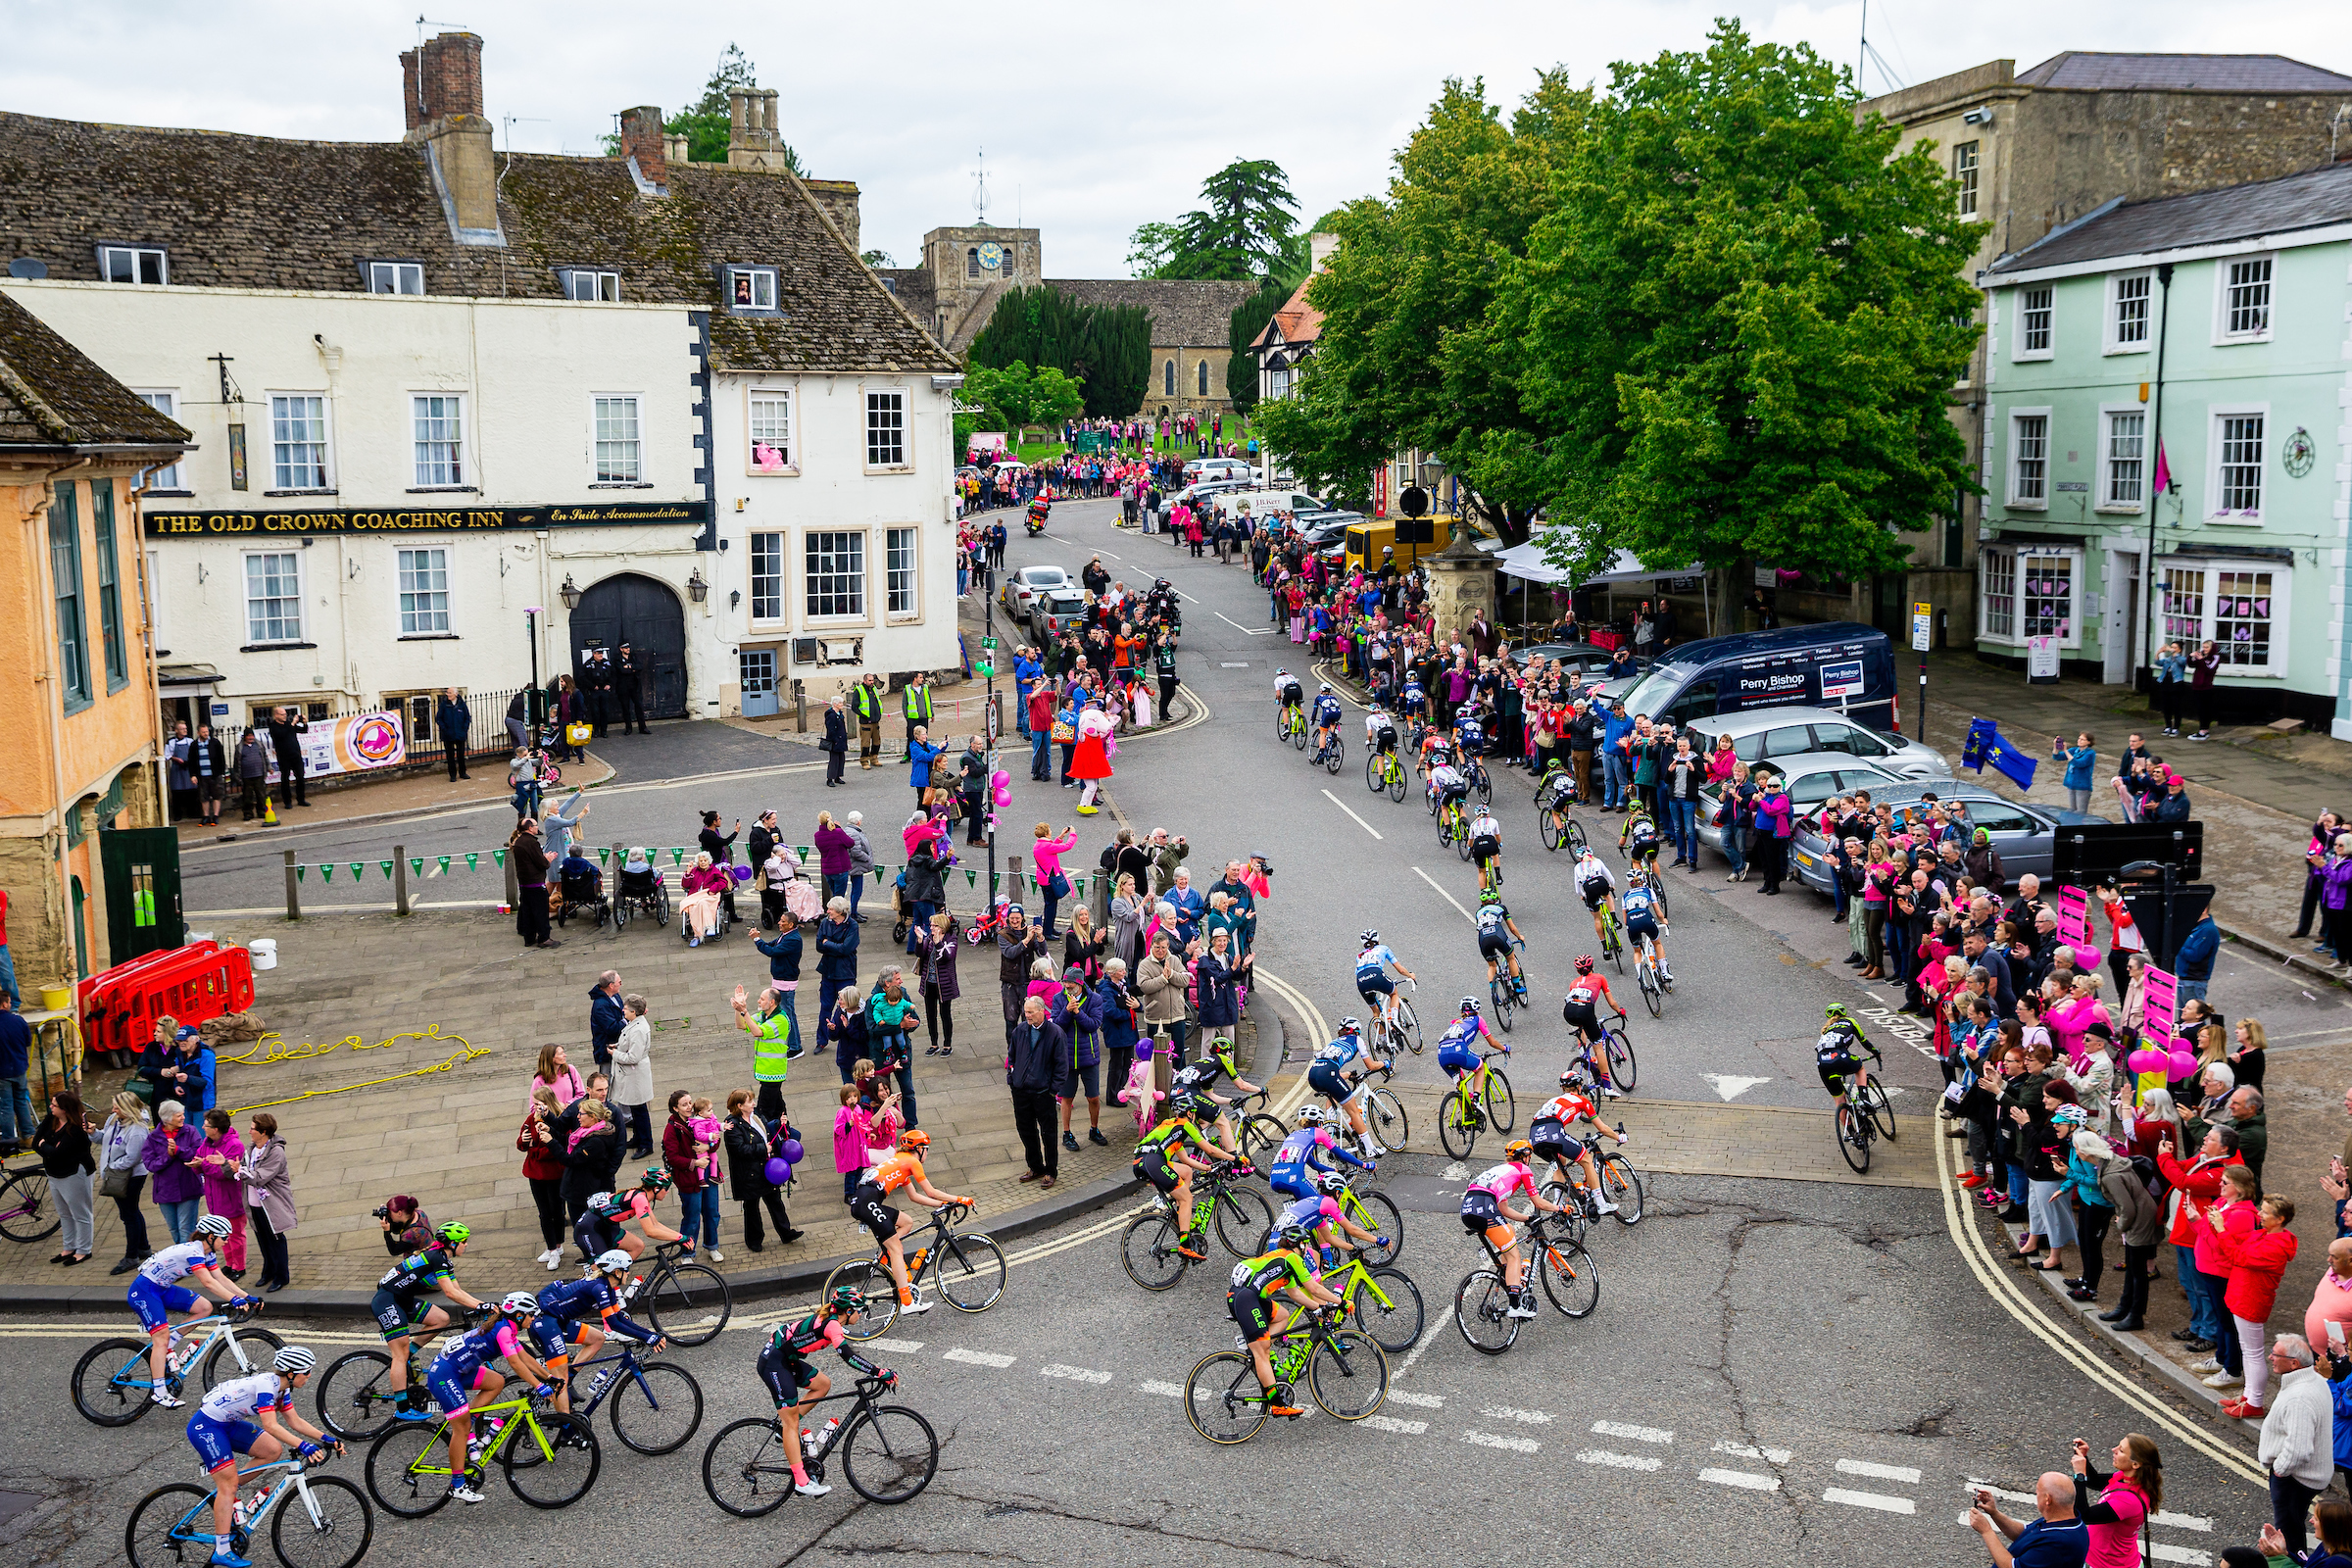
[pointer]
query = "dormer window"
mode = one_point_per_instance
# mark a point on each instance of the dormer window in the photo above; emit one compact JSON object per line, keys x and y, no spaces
{"x":133,"y":263}
{"x":752,"y":288}
{"x":585,"y":286}
{"x":395,"y":278}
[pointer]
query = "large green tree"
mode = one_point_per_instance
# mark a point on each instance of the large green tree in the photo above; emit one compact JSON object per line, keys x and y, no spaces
{"x":1105,"y":349}
{"x":1245,"y":227}
{"x":707,"y":125}
{"x":1735,"y":336}
{"x":1250,"y":319}
{"x":1022,"y":396}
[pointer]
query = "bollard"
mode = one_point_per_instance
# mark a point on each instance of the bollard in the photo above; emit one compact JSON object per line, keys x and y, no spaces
{"x":799,"y":705}
{"x":1012,"y":881}
{"x":399,"y":879}
{"x":293,"y":895}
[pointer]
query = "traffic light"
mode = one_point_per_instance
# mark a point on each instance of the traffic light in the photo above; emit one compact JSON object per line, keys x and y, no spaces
{"x":2164,"y":937}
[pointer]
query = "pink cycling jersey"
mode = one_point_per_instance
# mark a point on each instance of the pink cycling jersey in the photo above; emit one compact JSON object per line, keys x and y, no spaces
{"x":1505,"y":1178}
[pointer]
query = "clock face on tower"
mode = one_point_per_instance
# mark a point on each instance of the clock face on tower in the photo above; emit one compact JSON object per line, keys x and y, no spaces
{"x":992,"y":255}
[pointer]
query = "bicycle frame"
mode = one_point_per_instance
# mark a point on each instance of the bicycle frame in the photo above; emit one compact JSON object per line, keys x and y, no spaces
{"x":202,"y":1335}
{"x":294,"y":1480}
{"x":522,"y":1415}
{"x":585,"y":1405}
{"x":1352,"y":1277}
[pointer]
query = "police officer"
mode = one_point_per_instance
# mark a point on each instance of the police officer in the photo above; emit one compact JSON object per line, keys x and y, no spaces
{"x":628,"y":683}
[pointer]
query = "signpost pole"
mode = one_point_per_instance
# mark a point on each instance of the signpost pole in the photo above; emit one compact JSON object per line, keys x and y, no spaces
{"x":1923,"y":623}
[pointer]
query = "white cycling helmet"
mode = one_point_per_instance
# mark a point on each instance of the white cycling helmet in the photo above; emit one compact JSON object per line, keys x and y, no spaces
{"x":614,"y":1262}
{"x":1370,"y":939}
{"x":1313,"y":1116}
{"x":294,"y":1360}
{"x":211,"y":1225}
{"x":1331,"y":1184}
{"x":518,"y":1303}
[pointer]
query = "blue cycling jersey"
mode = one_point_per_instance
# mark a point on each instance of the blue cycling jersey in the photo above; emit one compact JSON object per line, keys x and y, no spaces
{"x":1639,"y":904}
{"x":1327,"y":710}
{"x":467,"y":1354}
{"x":1373,"y":963}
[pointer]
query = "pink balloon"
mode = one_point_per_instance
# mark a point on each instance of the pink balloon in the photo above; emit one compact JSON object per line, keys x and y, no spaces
{"x":2183,"y":1063}
{"x":2148,"y":1058}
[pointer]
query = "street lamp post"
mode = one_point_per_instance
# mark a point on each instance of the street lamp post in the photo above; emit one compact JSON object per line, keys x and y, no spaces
{"x":530,"y":623}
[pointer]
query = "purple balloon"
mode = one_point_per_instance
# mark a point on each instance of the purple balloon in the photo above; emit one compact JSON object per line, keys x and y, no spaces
{"x":793,"y":1151}
{"x":742,"y":873}
{"x":779,"y":1171}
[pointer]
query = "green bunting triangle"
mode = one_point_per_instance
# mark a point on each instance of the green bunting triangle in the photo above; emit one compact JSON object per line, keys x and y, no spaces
{"x":386,"y":866}
{"x":327,"y":873}
{"x":357,"y":867}
{"x":677,"y":856}
{"x":302,"y":873}
{"x":473,"y":862}
{"x":443,"y":869}
{"x":604,"y":856}
{"x":971,"y":879}
{"x":416,"y":866}
{"x":499,"y":855}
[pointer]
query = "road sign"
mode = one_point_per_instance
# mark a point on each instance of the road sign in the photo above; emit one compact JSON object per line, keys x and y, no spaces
{"x":989,"y":643}
{"x":1923,"y":626}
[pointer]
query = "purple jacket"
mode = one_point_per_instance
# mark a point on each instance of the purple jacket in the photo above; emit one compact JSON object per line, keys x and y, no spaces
{"x":832,"y":852}
{"x":2337,"y":890}
{"x":1772,"y":814}
{"x":175,"y":1182}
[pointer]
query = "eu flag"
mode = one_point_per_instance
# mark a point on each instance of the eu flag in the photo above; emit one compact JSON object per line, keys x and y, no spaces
{"x":2011,"y":763}
{"x":1981,"y":734}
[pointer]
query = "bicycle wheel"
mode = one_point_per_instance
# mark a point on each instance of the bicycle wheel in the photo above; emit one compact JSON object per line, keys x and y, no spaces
{"x":1223,"y":1398}
{"x":407,"y":1469}
{"x":1570,"y":1278}
{"x":1651,"y":997}
{"x":25,"y":1212}
{"x":1381,"y":1213}
{"x":1385,"y":1114}
{"x":1502,"y":1109}
{"x":1462,"y":845}
{"x":560,"y":1475}
{"x":744,"y":1468}
{"x":880,"y":1291}
{"x":1480,"y":782}
{"x":1349,"y":1375}
{"x":1549,"y":826}
{"x":1147,"y":1252}
{"x":1575,"y":837}
{"x":550,"y":776}
{"x":1612,"y":943}
{"x":660,"y":901}
{"x":1446,"y":828}
{"x":220,"y":1365}
{"x":657,"y":1409}
{"x":1397,"y":1327}
{"x":1853,"y":1138}
{"x":1261,"y":1135}
{"x":1621,"y":1185}
{"x":1502,"y":997}
{"x":1395,"y":783}
{"x":1411,"y":1022}
{"x":330,"y":1530}
{"x":110,"y":1381}
{"x":1881,"y":1109}
{"x":354,"y":1395}
{"x":1282,"y":724}
{"x":1335,"y":756}
{"x":1657,"y":887}
{"x":889,"y":1454}
{"x":690,"y":1303}
{"x":1242,"y":1219}
{"x":968,"y":1272}
{"x":1572,"y":1202}
{"x":161,"y":1534}
{"x":1482,"y":1312}
{"x":1298,"y":734}
{"x":1623,"y":1068}
{"x":1457,"y":1134}
{"x":1375,"y":776}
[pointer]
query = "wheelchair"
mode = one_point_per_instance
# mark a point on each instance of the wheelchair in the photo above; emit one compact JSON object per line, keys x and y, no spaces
{"x":642,"y":892}
{"x":584,"y":896}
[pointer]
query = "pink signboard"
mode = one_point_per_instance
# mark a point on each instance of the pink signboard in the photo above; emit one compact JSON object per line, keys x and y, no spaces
{"x":2162,"y":1005}
{"x":2073,"y":907}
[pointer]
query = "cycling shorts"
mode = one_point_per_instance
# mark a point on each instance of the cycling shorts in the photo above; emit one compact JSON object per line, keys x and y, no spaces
{"x":451,"y":1388}
{"x":218,"y":1443}
{"x":1498,"y":946}
{"x":1252,"y":1311}
{"x":1558,"y":1148}
{"x":1457,"y":1059}
{"x":1480,"y":1213}
{"x":1585,"y":1020}
{"x":1482,"y":850}
{"x":397,"y":1315}
{"x":1595,"y":894}
{"x":867,"y":1209}
{"x":1376,"y":985}
{"x":785,"y":1374}
{"x":1153,"y":1167}
{"x":1292,"y":1181}
{"x":550,"y":1337}
{"x":1384,"y":741}
{"x":1328,"y":1081}
{"x":1645,"y":926}
{"x":1833,"y":1076}
{"x":157,"y":1302}
{"x":596,"y":1234}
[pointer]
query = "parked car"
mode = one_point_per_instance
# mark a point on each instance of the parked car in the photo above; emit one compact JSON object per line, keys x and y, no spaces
{"x":1218,"y":469}
{"x":1774,"y":733}
{"x":1022,"y":587}
{"x":1055,"y":610}
{"x":1809,"y":780}
{"x":2025,"y":835}
{"x":1581,"y":659}
{"x":1263,"y":504}
{"x":1198,"y":494}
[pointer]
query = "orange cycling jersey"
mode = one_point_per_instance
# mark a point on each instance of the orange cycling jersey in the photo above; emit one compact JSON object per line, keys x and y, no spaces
{"x":896,"y":1172}
{"x":1586,"y":985}
{"x":1566,"y":1108}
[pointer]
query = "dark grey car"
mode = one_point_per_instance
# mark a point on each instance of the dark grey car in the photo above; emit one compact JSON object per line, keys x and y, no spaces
{"x":2023,"y":835}
{"x":1055,"y":611}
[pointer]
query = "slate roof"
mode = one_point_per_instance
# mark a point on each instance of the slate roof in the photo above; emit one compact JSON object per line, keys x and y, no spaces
{"x":52,"y":395}
{"x":1184,"y":313}
{"x":261,"y":211}
{"x":2308,"y":200}
{"x":2092,"y":72}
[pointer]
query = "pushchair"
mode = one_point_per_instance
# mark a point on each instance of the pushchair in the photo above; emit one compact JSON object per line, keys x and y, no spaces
{"x":642,"y":892}
{"x":582,"y":888}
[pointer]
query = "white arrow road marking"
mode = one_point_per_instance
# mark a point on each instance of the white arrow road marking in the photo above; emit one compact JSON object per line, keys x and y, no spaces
{"x":1877,"y":1472}
{"x":1742,"y":1478}
{"x":1262,"y":631}
{"x":1729,"y":1086}
{"x":987,"y":1358}
{"x":1869,"y":1500}
{"x":1620,"y":1461}
{"x":1744,"y":1451}
{"x":1618,"y":1429}
{"x":2181,"y":1521}
{"x":1359,"y":821}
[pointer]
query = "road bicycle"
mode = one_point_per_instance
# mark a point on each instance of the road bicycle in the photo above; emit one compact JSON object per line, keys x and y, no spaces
{"x":1382,"y":771}
{"x":1474,"y":772}
{"x":1290,"y":724}
{"x":888,"y":1455}
{"x":1620,"y":1184}
{"x":1507,"y":992}
{"x":1479,"y":1099}
{"x":26,"y":1214}
{"x":1453,"y":826}
{"x":1612,"y":936}
{"x":1384,"y":1302}
{"x":1257,"y":1134}
{"x":1649,"y":971}
{"x":657,"y":1405}
{"x":111,"y":1381}
{"x":1571,"y":1280}
{"x":1333,"y":752}
{"x":1375,"y":1211}
{"x":1556,"y":827}
{"x":1865,"y":1117}
{"x":967,"y":1272}
{"x":355,"y":1393}
{"x":686,"y":1302}
{"x":1237,"y":1214}
{"x":1345,"y":1369}
{"x":1617,"y":1055}
{"x":1398,"y":1027}
{"x":315,"y":1521}
{"x":550,"y":1459}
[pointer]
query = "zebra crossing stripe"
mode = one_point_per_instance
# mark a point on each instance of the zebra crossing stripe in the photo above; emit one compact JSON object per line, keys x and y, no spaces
{"x":1869,"y":1500}
{"x":1618,"y":1461}
{"x":1747,"y":1479}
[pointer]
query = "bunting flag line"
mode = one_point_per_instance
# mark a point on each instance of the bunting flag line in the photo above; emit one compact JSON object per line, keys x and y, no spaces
{"x":443,"y":869}
{"x":499,"y":855}
{"x":604,"y":856}
{"x":327,"y":873}
{"x":473,"y":862}
{"x":677,"y":856}
{"x":417,"y":865}
{"x":358,"y":866}
{"x":386,"y":866}
{"x":302,"y":873}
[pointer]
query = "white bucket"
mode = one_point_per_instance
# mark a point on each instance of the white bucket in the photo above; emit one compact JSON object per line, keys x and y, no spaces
{"x":263,"y":951}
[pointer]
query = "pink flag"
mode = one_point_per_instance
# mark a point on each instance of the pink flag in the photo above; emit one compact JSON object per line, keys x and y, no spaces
{"x":2164,"y":472}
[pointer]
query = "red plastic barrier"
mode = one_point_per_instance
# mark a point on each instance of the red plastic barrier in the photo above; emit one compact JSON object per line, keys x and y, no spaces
{"x":192,"y":984}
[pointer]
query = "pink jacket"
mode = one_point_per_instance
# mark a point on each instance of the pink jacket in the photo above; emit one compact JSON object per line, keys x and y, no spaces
{"x":217,"y":1163}
{"x":848,"y":1138}
{"x":708,"y":877}
{"x":917,"y":834}
{"x":1047,"y":855}
{"x":1719,"y":765}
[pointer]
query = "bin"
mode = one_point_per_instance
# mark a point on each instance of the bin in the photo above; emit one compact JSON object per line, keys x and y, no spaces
{"x":264,"y":952}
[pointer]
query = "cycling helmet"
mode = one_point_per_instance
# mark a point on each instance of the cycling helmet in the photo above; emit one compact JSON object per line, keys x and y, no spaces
{"x":1469,"y":1007}
{"x":845,"y":1301}
{"x":1636,"y":877}
{"x":1571,"y":1079}
{"x":1351,"y":1025}
{"x":1294,"y":1237}
{"x":1370,"y":939}
{"x":518,"y":1303}
{"x":1160,"y":583}
{"x":294,"y":1360}
{"x":1331,"y":1184}
{"x":1583,"y":964}
{"x":1488,"y":897}
{"x":1313,"y":1116}
{"x":1325,"y":687}
{"x":457,"y":1232}
{"x":1836,"y":1010}
{"x":1519,"y":1148}
{"x":613,"y":1260}
{"x":656,"y":1179}
{"x":211,"y":1225}
{"x":912,"y":1138}
{"x":1585,"y":854}
{"x":1281,"y":674}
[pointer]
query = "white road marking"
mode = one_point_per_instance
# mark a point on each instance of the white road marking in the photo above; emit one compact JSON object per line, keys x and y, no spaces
{"x":2181,"y":1521}
{"x":1877,"y":1472}
{"x":1262,"y":631}
{"x":1744,"y":1451}
{"x":1972,"y":1484}
{"x":1504,"y":1412}
{"x":1406,"y":1429}
{"x":1232,"y":664}
{"x":1188,"y":596}
{"x":895,"y":1346}
{"x":1455,"y":1172}
{"x":987,"y":1358}
{"x":1487,"y":1439}
{"x":1169,"y":1390}
{"x":1421,"y":1401}
{"x":1077,"y":1374}
{"x":2169,"y":1554}
{"x":1618,"y":1429}
{"x":1870,"y":1499}
{"x":1620,"y":1461}
{"x":1742,"y":1478}
{"x":1728,"y":1085}
{"x":1359,"y":821}
{"x":1433,"y":882}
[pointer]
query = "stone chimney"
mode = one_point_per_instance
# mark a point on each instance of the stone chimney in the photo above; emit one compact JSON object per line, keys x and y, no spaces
{"x":441,"y":92}
{"x":1320,"y":249}
{"x":644,"y":143}
{"x":753,"y":140}
{"x":674,"y":149}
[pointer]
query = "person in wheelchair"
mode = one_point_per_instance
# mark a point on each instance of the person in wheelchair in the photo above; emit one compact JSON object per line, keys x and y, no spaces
{"x":640,"y":883}
{"x":583,"y":887}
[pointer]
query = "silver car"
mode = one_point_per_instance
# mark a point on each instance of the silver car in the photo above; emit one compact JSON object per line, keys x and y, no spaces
{"x":2023,"y":835}
{"x":1779,"y":734}
{"x":1809,"y":781}
{"x":1022,"y":588}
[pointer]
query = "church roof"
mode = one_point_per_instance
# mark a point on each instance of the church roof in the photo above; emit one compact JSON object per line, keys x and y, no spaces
{"x":1184,"y":313}
{"x":54,"y":396}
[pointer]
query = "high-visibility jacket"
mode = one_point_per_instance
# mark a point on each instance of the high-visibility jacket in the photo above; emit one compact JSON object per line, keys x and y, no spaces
{"x":915,"y":704}
{"x":868,"y":702}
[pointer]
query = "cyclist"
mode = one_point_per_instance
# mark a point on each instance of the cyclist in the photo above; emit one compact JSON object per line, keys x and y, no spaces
{"x":1372,"y":983}
{"x":605,"y":1224}
{"x":796,"y":1386}
{"x":1287,"y":693}
{"x":1596,"y":884}
{"x":1641,"y":918}
{"x":1339,"y":1072}
{"x":565,"y":1311}
{"x":1638,"y":840}
{"x":1485,"y":1211}
{"x":1446,"y":785}
{"x":1297,"y":1164}
{"x":1496,"y":931}
{"x":1198,"y":1078}
{"x":461,"y":1380}
{"x":1458,"y":1050}
{"x":1280,"y":1272}
{"x":1470,"y":736}
{"x":1840,"y":1051}
{"x":1414,"y":702}
{"x":1380,"y":729}
{"x":157,"y":1292}
{"x":251,"y":1415}
{"x":1326,"y":715}
{"x":1437,"y":751}
{"x":901,"y":1169}
{"x":1486,"y":847}
{"x":1162,"y":1159}
{"x":1320,"y":1216}
{"x":401,"y":1308}
{"x":1580,"y":1011}
{"x":1551,"y":1135}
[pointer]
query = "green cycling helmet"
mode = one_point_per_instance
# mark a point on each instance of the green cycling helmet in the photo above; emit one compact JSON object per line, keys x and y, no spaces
{"x":845,"y":1301}
{"x":1489,"y":896}
{"x":455,"y":1233}
{"x":1837,"y":1009}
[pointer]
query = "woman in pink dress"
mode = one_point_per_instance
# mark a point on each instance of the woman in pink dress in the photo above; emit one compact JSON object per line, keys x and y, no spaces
{"x":1091,"y":762}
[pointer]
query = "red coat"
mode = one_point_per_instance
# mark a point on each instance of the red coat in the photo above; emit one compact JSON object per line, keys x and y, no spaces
{"x":539,"y":1160}
{"x":2257,"y":1260}
{"x":2194,"y":1186}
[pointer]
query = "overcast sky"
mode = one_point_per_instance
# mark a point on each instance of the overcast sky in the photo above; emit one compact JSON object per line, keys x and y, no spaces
{"x":1092,"y":124}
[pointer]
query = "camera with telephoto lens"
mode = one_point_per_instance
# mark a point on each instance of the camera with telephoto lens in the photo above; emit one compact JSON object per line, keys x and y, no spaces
{"x":384,"y":1212}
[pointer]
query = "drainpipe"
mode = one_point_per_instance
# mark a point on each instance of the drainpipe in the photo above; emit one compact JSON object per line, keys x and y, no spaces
{"x":2164,"y":316}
